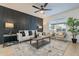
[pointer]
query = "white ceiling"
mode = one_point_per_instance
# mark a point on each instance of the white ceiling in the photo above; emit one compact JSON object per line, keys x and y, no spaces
{"x":27,"y":8}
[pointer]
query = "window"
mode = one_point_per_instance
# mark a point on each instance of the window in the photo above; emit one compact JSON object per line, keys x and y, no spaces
{"x":57,"y":27}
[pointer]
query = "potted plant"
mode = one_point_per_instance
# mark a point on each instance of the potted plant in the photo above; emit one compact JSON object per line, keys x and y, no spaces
{"x":73,"y":28}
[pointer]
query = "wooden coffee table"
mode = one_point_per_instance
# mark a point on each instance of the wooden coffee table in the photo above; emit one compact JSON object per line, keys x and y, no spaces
{"x":38,"y":39}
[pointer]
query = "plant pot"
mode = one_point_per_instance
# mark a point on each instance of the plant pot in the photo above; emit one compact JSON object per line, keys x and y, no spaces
{"x":74,"y":40}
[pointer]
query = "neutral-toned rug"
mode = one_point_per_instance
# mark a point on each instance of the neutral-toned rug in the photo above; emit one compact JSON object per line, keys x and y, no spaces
{"x":55,"y":48}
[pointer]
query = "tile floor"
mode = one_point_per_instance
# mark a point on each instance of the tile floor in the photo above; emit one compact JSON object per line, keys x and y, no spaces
{"x":55,"y":48}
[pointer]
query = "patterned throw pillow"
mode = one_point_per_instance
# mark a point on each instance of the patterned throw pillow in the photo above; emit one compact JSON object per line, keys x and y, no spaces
{"x":23,"y":34}
{"x":30,"y":33}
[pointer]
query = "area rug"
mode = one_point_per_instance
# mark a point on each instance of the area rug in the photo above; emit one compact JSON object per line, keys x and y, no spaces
{"x":54,"y":48}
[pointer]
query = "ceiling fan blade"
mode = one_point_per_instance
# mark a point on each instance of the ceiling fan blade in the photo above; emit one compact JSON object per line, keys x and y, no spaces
{"x":37,"y":11}
{"x":35,"y":7}
{"x":45,"y":4}
{"x":47,"y":9}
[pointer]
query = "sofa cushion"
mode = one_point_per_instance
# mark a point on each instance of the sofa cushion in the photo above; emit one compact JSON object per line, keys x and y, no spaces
{"x":60,"y":33}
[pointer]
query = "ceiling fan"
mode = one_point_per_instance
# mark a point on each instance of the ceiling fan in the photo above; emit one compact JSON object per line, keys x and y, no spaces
{"x":41,"y":8}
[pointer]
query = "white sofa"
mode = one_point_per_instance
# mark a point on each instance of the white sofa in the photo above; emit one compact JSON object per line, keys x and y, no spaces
{"x":20,"y":37}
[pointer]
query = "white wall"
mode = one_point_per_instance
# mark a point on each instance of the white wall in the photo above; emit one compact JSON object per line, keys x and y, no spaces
{"x":71,"y":13}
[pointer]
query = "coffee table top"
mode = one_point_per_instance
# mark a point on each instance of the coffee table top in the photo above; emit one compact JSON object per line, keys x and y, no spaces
{"x":40,"y":37}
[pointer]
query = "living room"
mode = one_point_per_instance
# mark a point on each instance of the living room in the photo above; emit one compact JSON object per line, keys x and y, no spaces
{"x":21,"y":25}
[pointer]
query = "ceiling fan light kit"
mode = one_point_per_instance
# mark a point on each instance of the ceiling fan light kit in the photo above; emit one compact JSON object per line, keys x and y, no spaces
{"x":42,"y":11}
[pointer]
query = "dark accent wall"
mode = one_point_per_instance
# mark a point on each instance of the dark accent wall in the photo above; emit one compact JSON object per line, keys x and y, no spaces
{"x":20,"y":20}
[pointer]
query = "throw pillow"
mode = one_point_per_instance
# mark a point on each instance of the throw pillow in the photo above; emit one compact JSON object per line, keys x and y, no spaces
{"x":30,"y":33}
{"x":23,"y":34}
